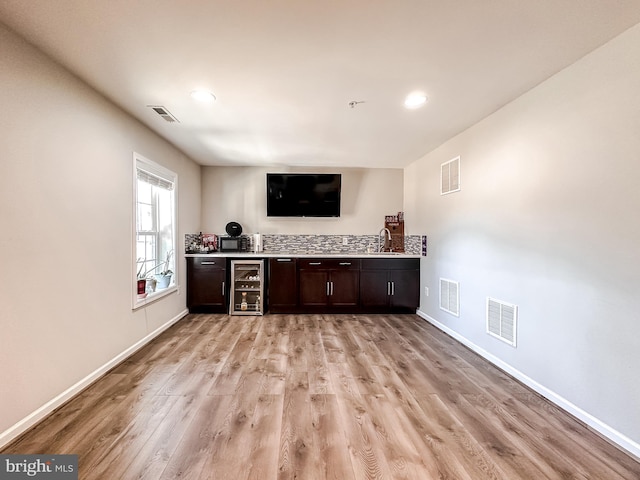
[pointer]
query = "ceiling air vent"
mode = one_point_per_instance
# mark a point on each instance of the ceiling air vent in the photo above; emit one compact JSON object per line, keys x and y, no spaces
{"x":164,"y":113}
{"x":501,"y":320}
{"x":450,"y":296}
{"x":450,"y":176}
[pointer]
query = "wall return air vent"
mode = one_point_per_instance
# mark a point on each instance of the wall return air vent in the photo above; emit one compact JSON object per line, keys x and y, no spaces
{"x":502,"y":320}
{"x":164,"y":113}
{"x":450,"y":176}
{"x":450,"y":296}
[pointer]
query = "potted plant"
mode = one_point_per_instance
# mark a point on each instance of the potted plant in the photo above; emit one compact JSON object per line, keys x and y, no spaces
{"x":163,"y":278}
{"x":147,"y":280}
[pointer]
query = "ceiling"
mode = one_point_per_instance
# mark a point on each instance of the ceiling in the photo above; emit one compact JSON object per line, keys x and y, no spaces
{"x":285,"y":71}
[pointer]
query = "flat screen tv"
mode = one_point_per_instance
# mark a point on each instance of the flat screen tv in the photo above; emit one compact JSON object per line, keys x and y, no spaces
{"x":303,"y":194}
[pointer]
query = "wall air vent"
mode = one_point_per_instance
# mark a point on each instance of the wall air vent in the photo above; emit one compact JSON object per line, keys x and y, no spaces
{"x":450,"y":296}
{"x":164,"y":113}
{"x":450,"y":176}
{"x":502,"y":320}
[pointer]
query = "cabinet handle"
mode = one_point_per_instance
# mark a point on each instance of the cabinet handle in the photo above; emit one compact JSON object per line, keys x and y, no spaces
{"x":388,"y":288}
{"x":283,"y":260}
{"x":393,"y":288}
{"x":223,"y":289}
{"x":328,"y":289}
{"x":331,"y":288}
{"x":315,"y":263}
{"x":345,"y":263}
{"x":207,"y":263}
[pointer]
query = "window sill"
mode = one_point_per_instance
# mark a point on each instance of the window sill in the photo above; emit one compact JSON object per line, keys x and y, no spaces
{"x":152,"y":297}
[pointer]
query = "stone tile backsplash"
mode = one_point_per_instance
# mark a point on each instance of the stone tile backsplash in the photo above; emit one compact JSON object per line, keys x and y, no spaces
{"x":317,"y":244}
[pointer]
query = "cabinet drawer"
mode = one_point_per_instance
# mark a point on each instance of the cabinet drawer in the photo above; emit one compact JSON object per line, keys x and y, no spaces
{"x":214,"y":263}
{"x":329,"y":263}
{"x":391,"y":264}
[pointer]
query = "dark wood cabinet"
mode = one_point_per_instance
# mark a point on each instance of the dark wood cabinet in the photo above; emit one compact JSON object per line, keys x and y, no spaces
{"x":206,"y":284}
{"x":390,"y":284}
{"x":283,"y":285}
{"x":314,"y":287}
{"x":374,"y":288}
{"x":405,"y":290}
{"x":344,"y":286}
{"x":314,"y":284}
{"x":327,"y":283}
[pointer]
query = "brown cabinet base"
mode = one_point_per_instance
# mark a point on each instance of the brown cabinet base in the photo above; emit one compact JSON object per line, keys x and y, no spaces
{"x":314,"y":285}
{"x":343,"y":285}
{"x":206,"y":285}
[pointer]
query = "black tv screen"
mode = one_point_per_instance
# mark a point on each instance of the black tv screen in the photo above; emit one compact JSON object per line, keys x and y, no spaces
{"x":303,"y":195}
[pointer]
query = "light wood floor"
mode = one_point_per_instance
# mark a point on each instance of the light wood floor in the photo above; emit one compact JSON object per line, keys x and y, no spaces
{"x":317,"y":397}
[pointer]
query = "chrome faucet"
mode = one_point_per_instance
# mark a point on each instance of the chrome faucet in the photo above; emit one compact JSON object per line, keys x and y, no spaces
{"x":381,"y":232}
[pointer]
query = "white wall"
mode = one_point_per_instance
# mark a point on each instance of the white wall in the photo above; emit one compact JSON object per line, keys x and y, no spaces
{"x":66,"y":243}
{"x":240,"y":194}
{"x":547,"y":218}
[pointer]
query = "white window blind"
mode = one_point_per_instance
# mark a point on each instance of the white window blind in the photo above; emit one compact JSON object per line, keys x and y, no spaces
{"x":154,"y":180}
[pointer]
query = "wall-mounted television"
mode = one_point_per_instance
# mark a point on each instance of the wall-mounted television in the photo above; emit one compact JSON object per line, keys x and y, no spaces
{"x":303,"y":194}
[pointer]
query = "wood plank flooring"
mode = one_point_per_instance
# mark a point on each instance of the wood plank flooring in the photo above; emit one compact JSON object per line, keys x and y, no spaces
{"x":317,"y":397}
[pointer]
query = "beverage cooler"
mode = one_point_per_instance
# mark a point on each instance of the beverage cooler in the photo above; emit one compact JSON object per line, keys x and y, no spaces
{"x":247,"y":285}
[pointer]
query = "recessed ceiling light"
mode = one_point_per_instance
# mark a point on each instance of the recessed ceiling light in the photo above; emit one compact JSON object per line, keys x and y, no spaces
{"x":203,"y":96}
{"x":415,"y":100}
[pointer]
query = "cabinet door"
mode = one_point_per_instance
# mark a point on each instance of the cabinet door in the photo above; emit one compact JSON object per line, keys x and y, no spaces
{"x":390,"y":284}
{"x":343,"y":288}
{"x":314,"y":288}
{"x":374,"y":289}
{"x":405,"y":289}
{"x":283,"y":285}
{"x":206,"y":284}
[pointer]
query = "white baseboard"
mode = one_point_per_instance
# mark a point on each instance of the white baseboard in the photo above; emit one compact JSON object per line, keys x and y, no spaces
{"x":605,"y":430}
{"x":29,"y":421}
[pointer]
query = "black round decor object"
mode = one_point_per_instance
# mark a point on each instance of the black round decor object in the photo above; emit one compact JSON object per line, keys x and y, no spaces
{"x":234,"y":229}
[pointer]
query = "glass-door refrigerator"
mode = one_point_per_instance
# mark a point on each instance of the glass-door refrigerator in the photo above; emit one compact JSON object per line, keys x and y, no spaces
{"x":247,"y":280}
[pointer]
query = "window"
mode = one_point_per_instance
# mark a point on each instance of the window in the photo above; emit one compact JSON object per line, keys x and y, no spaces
{"x":154,"y":242}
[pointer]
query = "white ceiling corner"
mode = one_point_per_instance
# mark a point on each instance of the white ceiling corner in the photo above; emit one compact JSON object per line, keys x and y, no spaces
{"x":285,"y":71}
